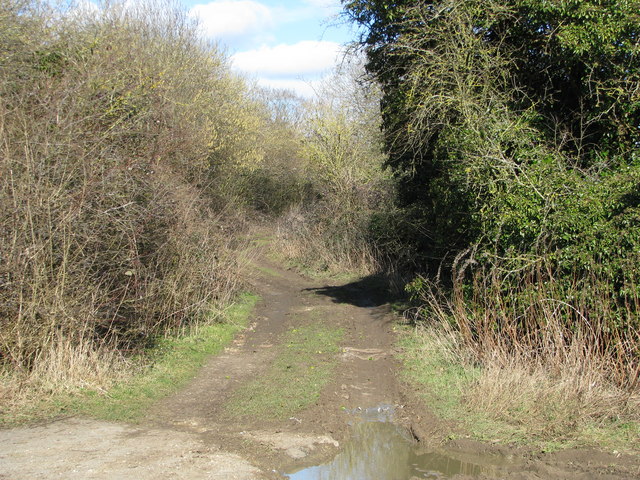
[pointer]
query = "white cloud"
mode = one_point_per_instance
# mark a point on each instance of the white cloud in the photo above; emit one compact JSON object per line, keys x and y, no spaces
{"x":304,"y":88}
{"x":86,"y":7}
{"x":302,"y":58}
{"x":224,"y":18}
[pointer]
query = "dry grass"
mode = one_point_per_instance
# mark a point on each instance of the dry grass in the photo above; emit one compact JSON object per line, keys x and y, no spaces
{"x":323,"y":242}
{"x":63,"y":367}
{"x":552,"y":397}
{"x":554,"y":389}
{"x":103,"y":383}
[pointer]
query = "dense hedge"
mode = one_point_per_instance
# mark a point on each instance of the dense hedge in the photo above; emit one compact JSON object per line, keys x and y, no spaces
{"x":513,"y":130}
{"x":115,"y":125}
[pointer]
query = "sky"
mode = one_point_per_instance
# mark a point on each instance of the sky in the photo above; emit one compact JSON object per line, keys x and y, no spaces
{"x":288,"y":44}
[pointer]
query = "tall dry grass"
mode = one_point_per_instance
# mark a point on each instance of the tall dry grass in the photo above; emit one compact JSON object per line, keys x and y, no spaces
{"x":114,"y":122}
{"x":547,"y":366}
{"x":324,"y":238}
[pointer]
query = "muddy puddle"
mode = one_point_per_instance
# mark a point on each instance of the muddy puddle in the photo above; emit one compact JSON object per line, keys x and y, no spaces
{"x":381,"y":450}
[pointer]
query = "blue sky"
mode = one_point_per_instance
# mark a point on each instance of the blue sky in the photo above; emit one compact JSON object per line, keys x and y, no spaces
{"x":281,"y":43}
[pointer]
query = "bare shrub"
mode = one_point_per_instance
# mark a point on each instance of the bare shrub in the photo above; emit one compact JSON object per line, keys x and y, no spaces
{"x":342,"y":153}
{"x":113,"y":124}
{"x":327,"y":240}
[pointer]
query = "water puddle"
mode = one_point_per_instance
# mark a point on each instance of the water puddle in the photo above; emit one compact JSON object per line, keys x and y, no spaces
{"x":380,"y":450}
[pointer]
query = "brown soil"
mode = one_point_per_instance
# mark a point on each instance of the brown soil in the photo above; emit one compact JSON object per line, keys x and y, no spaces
{"x":190,"y":435}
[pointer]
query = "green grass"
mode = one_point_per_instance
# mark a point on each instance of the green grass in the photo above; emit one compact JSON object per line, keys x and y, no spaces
{"x":175,"y":361}
{"x":168,"y":366}
{"x":320,"y":272}
{"x":438,"y":379}
{"x":268,"y":271}
{"x":262,"y":240}
{"x":294,"y":381}
{"x":442,"y":382}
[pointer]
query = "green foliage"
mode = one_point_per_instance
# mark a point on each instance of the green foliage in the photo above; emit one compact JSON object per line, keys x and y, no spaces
{"x":512,"y":128}
{"x":580,"y":69}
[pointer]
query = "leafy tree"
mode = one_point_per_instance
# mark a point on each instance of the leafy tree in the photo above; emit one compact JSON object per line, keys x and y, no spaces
{"x":482,"y":96}
{"x":513,"y":127}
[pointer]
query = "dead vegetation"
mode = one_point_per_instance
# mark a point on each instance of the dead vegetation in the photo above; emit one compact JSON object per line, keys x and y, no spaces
{"x":341,"y":144}
{"x":549,"y":385}
{"x":114,"y":225}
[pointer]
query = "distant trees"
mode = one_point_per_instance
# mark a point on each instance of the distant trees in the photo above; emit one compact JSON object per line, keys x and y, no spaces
{"x":342,"y":154}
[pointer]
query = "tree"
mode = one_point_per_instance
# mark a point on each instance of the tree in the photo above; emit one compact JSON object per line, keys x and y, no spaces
{"x":513,"y":127}
{"x":484,"y":98}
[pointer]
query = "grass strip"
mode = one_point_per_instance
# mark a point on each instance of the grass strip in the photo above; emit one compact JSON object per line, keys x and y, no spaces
{"x":438,"y":378}
{"x":295,"y":379}
{"x":175,"y":361}
{"x":268,"y":271}
{"x":168,"y":366}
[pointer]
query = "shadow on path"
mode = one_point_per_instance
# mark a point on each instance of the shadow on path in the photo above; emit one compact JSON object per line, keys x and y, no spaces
{"x":368,"y":292}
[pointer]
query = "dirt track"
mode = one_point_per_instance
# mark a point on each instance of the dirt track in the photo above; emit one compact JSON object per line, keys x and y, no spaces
{"x":190,"y":436}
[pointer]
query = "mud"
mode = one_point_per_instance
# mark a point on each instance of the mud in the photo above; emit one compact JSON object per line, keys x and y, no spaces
{"x":190,"y":435}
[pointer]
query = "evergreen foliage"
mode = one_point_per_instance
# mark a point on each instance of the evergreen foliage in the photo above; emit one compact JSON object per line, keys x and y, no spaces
{"x":513,"y":128}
